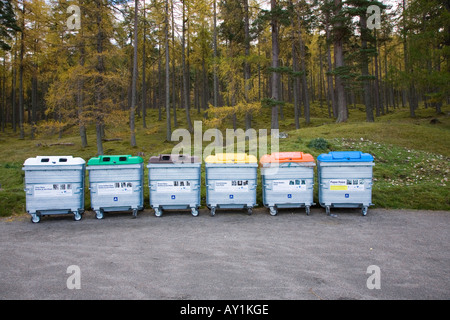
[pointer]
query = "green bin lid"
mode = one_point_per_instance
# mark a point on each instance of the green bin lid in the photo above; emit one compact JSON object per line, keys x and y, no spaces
{"x":114,"y":159}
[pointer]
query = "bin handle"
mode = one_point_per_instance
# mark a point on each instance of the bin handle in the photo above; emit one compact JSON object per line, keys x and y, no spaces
{"x":78,"y":190}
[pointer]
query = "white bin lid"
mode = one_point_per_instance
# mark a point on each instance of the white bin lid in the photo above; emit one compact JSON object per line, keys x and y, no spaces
{"x":54,"y":160}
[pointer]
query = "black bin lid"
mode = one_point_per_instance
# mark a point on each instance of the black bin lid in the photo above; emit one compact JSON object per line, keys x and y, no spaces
{"x":169,"y":158}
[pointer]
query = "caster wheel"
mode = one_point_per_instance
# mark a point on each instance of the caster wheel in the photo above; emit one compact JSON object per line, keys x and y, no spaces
{"x":158,"y":212}
{"x":364,"y":211}
{"x":327,"y":210}
{"x":77,"y":216}
{"x":35,"y":218}
{"x":99,"y":214}
{"x":194,"y":212}
{"x":308,"y":210}
{"x":213,"y":211}
{"x":249,"y":211}
{"x":273,"y":211}
{"x":134,"y":213}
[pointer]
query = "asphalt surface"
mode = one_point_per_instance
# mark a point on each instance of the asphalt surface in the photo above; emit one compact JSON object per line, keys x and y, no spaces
{"x":229,"y":256}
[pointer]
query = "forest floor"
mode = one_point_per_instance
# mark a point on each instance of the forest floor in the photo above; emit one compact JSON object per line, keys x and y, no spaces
{"x":412,"y":155}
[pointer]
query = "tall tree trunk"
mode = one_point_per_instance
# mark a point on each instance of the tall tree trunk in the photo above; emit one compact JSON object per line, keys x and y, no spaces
{"x":411,"y":91}
{"x":185,"y":74}
{"x":365,"y":69}
{"x":144,"y":84}
{"x":339,"y":63}
{"x":275,"y":74}
{"x":248,"y":115}
{"x":21,"y":68}
{"x":174,"y":104}
{"x":295,"y":80}
{"x":331,"y":93}
{"x":80,"y":88}
{"x":216,"y":83}
{"x":166,"y":45}
{"x":100,"y":68}
{"x":135,"y":75}
{"x":13,"y":91}
{"x":303,"y":69}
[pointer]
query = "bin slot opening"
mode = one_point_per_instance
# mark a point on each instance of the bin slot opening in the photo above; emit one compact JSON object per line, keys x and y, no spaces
{"x":122,"y":158}
{"x":62,"y":159}
{"x":45,"y":160}
{"x":106,"y":159}
{"x":166,"y":158}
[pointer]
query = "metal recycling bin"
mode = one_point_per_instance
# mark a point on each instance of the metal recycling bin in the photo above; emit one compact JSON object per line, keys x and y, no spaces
{"x":345,"y":180}
{"x":288,"y":180}
{"x":54,"y":185}
{"x":174,"y":182}
{"x":116,"y":183}
{"x":231,"y":180}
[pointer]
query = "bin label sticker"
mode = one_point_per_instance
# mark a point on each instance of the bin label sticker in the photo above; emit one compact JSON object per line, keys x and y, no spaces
{"x":173,"y":186}
{"x":289,"y":185}
{"x":347,"y":185}
{"x":115,"y":188}
{"x":231,"y":185}
{"x":53,"y":190}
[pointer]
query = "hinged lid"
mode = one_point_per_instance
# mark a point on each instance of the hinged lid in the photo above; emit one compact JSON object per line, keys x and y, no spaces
{"x":231,"y":158}
{"x":114,"y":160}
{"x":54,"y":160}
{"x":345,"y":156}
{"x":282,"y":157}
{"x":176,"y":158}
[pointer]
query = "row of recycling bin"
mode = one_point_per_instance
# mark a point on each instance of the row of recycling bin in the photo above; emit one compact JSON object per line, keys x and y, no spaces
{"x":55,"y":184}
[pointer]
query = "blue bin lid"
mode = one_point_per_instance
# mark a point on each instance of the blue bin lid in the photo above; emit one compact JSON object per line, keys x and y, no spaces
{"x":345,"y":156}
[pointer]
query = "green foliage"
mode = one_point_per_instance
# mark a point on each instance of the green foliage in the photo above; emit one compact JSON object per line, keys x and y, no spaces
{"x":319,"y":144}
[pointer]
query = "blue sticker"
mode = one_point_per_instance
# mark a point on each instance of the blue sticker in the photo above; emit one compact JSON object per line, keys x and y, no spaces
{"x":231,"y":196}
{"x":116,"y":198}
{"x":347,"y":195}
{"x":173,"y":197}
{"x":289,"y":195}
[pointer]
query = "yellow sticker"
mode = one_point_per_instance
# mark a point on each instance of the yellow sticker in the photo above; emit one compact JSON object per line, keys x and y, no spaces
{"x":338,"y":188}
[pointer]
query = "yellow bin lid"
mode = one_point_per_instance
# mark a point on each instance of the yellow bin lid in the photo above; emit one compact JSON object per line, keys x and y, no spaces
{"x":231,"y":158}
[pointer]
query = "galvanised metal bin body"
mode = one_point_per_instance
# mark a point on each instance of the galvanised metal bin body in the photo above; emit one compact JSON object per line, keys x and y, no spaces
{"x":288,"y":180}
{"x":174,"y":182}
{"x":116,"y":183}
{"x":345,"y":180}
{"x":54,"y":185}
{"x":231,"y":180}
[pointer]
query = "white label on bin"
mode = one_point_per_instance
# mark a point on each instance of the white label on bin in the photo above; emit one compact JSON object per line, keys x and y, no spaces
{"x":115,"y":188}
{"x":53,"y":190}
{"x":289,"y":185}
{"x":231,"y":186}
{"x":173,"y":186}
{"x":347,"y":185}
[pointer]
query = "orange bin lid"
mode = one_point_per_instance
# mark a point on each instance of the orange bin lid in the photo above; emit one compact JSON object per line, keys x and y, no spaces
{"x":281,"y":157}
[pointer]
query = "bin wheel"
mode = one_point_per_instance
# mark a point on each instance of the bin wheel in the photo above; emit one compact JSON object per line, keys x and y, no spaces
{"x":35,"y":218}
{"x":77,"y":216}
{"x":99,"y":214}
{"x":213,"y":211}
{"x":158,"y":212}
{"x":135,"y":213}
{"x":327,"y":210}
{"x":249,"y":211}
{"x":194,"y":212}
{"x":308,"y":210}
{"x":273,"y":211}
{"x":364,"y":210}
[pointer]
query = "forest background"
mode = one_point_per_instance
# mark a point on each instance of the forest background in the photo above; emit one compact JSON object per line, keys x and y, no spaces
{"x":91,"y":77}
